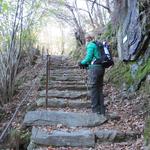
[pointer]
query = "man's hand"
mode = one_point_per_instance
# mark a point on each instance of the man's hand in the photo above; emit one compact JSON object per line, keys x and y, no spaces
{"x":82,"y":66}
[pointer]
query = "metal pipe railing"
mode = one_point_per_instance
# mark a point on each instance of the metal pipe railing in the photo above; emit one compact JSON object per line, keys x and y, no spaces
{"x":47,"y":79}
{"x":84,"y":75}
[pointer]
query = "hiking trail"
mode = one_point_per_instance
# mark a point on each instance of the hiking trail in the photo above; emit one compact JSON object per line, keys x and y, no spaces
{"x":68,"y":122}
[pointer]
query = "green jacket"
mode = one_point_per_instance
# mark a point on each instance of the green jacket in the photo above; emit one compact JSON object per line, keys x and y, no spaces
{"x":92,"y":53}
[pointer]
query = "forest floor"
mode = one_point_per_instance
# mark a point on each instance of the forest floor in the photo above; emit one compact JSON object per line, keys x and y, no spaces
{"x":130,"y":109}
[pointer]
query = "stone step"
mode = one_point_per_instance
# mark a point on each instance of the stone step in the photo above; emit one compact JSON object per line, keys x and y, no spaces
{"x":54,"y":67}
{"x":69,"y":71}
{"x":63,"y":87}
{"x":67,"y":82}
{"x":61,"y":70}
{"x":67,"y":94}
{"x":107,"y":135}
{"x":53,"y":82}
{"x":65,"y":78}
{"x":79,"y":138}
{"x":66,"y":74}
{"x":68,"y":119}
{"x":62,"y":103}
{"x":72,"y":73}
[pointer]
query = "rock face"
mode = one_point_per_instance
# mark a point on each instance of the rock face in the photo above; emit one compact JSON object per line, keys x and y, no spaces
{"x":133,"y":38}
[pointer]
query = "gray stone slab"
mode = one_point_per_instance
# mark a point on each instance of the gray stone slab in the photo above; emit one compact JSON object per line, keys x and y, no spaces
{"x":115,"y":136}
{"x":75,"y":74}
{"x":62,"y":103}
{"x":68,"y":71}
{"x":54,"y":67}
{"x":81,"y":138}
{"x":69,"y":119}
{"x":68,"y":94}
{"x":106,"y":135}
{"x":113,"y":116}
{"x":75,"y":87}
{"x":65,"y":78}
{"x":67,"y":82}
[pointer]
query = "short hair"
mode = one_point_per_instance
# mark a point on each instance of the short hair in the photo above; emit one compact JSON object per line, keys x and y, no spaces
{"x":89,"y":35}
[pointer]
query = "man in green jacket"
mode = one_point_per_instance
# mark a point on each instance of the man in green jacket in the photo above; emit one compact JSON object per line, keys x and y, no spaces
{"x":95,"y":74}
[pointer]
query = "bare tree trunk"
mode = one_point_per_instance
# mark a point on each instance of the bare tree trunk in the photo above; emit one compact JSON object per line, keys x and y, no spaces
{"x":99,"y":4}
{"x":90,"y":16}
{"x":99,"y":13}
{"x":11,"y":56}
{"x":79,"y":34}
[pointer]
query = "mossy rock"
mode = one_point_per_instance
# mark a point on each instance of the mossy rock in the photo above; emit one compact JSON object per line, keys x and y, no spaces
{"x":43,"y":80}
{"x":147,"y":132}
{"x":19,"y":138}
{"x":121,"y":73}
{"x":2,"y":113}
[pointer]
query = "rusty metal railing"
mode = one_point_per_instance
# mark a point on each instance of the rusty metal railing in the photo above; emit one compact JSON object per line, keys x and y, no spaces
{"x":47,"y":78}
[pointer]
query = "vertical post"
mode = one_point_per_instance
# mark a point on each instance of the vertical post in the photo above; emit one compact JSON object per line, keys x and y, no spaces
{"x":43,"y":53}
{"x":86,"y":82}
{"x":47,"y":78}
{"x":49,"y":66}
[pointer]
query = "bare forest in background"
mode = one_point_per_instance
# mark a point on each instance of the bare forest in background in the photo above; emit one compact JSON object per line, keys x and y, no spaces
{"x":21,"y":20}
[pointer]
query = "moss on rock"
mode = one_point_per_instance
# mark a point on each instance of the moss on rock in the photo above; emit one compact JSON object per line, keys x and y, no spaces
{"x":147,"y":132}
{"x":43,"y":80}
{"x":19,"y":138}
{"x":121,"y":73}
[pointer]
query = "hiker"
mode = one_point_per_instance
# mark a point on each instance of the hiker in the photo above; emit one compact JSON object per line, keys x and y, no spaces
{"x":95,"y":75}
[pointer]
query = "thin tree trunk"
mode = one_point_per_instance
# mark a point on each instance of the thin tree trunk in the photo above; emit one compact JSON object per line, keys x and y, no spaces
{"x":90,"y":16}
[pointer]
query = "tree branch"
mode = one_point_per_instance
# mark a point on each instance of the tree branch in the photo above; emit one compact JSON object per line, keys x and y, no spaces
{"x":95,"y":2}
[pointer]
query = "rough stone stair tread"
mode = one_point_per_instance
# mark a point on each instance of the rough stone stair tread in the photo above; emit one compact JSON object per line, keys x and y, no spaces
{"x":65,"y":87}
{"x":65,"y":78}
{"x":79,"y":137}
{"x":69,"y":119}
{"x":62,"y":71}
{"x":68,"y":94}
{"x":65,"y":75}
{"x":63,"y":67}
{"x":62,"y":103}
{"x":83,"y":138}
{"x":58,"y":74}
{"x":67,"y":82}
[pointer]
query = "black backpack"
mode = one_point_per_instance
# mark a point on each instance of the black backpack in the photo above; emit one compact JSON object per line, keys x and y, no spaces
{"x":106,"y":58}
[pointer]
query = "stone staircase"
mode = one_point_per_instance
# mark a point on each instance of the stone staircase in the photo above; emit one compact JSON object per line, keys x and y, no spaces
{"x":68,"y":120}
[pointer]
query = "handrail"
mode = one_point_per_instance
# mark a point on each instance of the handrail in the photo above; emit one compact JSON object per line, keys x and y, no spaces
{"x":14,"y":115}
{"x":47,"y":79}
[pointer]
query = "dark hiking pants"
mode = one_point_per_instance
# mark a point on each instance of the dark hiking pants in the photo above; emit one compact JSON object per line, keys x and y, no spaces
{"x":96,"y":74}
